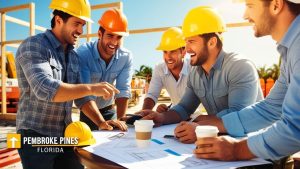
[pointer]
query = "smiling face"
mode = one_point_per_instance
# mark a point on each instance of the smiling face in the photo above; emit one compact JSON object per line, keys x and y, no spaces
{"x":174,"y":58}
{"x":71,"y":29}
{"x":258,"y":13}
{"x":198,"y":50}
{"x":108,"y":43}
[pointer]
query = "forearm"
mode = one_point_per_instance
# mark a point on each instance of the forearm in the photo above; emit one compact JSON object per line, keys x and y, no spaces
{"x":122,"y":104}
{"x":148,"y":104}
{"x":90,"y":109}
{"x":171,"y":117}
{"x":67,"y":92}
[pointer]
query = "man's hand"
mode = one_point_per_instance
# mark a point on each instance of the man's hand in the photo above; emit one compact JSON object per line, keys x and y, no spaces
{"x":217,"y":148}
{"x":158,"y":118}
{"x":162,"y":108}
{"x":104,"y":89}
{"x":185,"y":132}
{"x":108,"y":125}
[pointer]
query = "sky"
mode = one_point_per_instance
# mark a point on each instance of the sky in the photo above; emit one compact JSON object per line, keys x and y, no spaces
{"x":142,"y":14}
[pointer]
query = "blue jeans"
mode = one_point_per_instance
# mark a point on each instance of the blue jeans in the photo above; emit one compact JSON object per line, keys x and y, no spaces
{"x":108,"y":114}
{"x":41,"y":158}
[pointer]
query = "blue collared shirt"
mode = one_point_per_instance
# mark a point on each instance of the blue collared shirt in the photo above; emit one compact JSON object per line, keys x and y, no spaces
{"x":93,"y":69}
{"x":41,"y":68}
{"x":279,"y":112}
{"x":163,"y":78}
{"x":231,"y":85}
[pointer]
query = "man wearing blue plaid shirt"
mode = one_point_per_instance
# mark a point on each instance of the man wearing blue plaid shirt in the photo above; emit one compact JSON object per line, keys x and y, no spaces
{"x":48,"y":76}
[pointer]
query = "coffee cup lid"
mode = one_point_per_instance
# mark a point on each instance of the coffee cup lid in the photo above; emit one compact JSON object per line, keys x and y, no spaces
{"x":207,"y":129}
{"x":144,"y":122}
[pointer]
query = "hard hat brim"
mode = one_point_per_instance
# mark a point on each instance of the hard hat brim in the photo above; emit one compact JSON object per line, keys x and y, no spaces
{"x":121,"y":33}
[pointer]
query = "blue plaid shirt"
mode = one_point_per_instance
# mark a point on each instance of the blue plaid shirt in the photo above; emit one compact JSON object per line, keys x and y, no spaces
{"x":41,"y":68}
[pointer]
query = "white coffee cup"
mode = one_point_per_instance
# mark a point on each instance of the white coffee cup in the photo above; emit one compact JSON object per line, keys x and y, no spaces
{"x":143,"y":132}
{"x":206,"y":131}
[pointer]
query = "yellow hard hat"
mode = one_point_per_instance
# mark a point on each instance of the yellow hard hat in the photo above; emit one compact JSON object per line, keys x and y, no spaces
{"x":78,"y":8}
{"x":202,"y":20}
{"x":82,"y":131}
{"x":171,"y":39}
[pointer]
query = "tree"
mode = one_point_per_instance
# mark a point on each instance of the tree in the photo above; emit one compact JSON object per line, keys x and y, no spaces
{"x":144,"y":71}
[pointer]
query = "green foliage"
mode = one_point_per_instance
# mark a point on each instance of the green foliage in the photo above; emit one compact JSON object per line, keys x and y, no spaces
{"x":272,"y":72}
{"x":144,"y":71}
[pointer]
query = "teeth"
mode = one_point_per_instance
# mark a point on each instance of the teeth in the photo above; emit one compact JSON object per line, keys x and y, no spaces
{"x":76,"y":36}
{"x":110,"y":46}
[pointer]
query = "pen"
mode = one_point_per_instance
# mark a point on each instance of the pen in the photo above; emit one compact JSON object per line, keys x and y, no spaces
{"x":169,"y":106}
{"x":169,"y":136}
{"x":194,"y":117}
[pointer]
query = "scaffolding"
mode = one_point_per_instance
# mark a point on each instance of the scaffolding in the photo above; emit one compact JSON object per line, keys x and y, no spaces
{"x":33,"y":27}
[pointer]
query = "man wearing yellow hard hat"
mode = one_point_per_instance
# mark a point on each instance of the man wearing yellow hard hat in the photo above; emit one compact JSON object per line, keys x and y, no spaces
{"x":279,"y":112}
{"x":223,"y":82}
{"x":172,"y":73}
{"x":48,"y":70}
{"x":104,"y":60}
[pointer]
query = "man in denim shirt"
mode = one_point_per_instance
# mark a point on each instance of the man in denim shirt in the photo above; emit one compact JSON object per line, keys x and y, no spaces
{"x":222,"y":82}
{"x":278,"y":114}
{"x":105,"y":61}
{"x":48,"y":70}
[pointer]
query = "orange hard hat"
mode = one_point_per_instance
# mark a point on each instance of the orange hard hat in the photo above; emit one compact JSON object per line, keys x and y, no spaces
{"x":114,"y":21}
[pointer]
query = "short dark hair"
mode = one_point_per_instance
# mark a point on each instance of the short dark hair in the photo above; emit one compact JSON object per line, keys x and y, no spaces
{"x":61,"y":14}
{"x":208,"y":36}
{"x":101,"y":29}
{"x":294,"y":8}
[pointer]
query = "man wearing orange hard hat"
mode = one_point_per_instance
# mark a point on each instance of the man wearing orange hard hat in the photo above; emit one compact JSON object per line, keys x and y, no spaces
{"x":104,"y":60}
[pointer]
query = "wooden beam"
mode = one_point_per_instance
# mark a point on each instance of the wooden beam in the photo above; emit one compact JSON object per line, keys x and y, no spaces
{"x":14,"y":8}
{"x":109,"y":5}
{"x":240,"y":24}
{"x":23,"y":23}
{"x":8,"y":116}
{"x":3,"y":64}
{"x":11,"y":42}
{"x":13,"y":45}
{"x":32,"y":19}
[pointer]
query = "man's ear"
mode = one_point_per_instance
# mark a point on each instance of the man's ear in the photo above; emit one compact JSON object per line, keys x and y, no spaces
{"x":212,"y":42}
{"x":99,"y":34}
{"x":58,"y":20}
{"x":276,"y":6}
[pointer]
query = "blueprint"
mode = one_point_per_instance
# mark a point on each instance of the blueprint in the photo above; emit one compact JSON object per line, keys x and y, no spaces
{"x":162,"y":152}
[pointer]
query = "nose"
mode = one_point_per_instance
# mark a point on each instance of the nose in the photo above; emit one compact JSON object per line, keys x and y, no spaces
{"x":80,"y":30}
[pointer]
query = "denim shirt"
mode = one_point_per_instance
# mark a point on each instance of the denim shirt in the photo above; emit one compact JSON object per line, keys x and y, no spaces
{"x":93,"y":69}
{"x":279,"y":112}
{"x":231,"y":85}
{"x":41,"y":68}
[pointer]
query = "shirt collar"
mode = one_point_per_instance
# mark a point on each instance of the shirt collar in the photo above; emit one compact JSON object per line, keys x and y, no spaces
{"x":219,"y":62}
{"x":293,"y":30}
{"x":289,"y":37}
{"x":55,"y":42}
{"x":184,"y":70}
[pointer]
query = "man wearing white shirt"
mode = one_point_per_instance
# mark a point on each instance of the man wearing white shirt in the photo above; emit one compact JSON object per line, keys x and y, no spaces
{"x":172,"y":74}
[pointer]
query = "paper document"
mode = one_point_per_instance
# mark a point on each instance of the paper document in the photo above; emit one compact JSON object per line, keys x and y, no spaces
{"x":162,"y":152}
